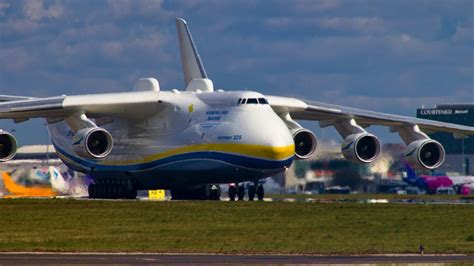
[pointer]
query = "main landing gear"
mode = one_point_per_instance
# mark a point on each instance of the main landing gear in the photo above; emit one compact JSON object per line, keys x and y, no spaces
{"x":204,"y":192}
{"x":112,"y":188}
{"x":253,"y":190}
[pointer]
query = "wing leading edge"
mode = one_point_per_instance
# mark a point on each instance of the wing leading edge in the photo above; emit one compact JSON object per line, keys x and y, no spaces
{"x":134,"y":105}
{"x":329,"y":114}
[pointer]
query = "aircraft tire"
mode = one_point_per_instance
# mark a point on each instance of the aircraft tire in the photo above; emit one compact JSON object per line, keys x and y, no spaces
{"x":110,"y":191}
{"x":92,"y":190}
{"x":120,"y":191}
{"x":112,"y":194}
{"x":215,"y":192}
{"x":107,"y":191}
{"x":101,"y":191}
{"x":132,"y":194}
{"x":204,"y":192}
{"x":232,"y":192}
{"x":240,"y":192}
{"x":251,"y":192}
{"x":115,"y":191}
{"x":260,"y":192}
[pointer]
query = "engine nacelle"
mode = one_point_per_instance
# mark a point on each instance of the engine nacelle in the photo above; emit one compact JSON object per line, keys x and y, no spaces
{"x":8,"y":146}
{"x":305,"y":143}
{"x":94,"y":143}
{"x":361,"y":148}
{"x":425,"y":153}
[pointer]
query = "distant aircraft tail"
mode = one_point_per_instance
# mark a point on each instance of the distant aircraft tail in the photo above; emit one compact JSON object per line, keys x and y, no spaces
{"x":410,"y":174}
{"x":195,"y":75}
{"x":57,"y":180}
{"x":15,"y":189}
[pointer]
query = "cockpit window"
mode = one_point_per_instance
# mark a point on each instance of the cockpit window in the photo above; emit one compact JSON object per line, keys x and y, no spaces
{"x":252,"y":101}
{"x":262,"y":101}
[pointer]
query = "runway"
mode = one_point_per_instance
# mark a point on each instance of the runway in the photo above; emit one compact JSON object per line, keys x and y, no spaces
{"x":122,"y":258}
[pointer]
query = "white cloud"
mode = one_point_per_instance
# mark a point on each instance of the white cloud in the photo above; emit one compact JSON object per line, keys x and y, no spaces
{"x":356,"y":24}
{"x":464,"y":35}
{"x":35,"y":10}
{"x":277,"y":22}
{"x":15,"y":27}
{"x":14,"y":59}
{"x":3,"y":7}
{"x":112,"y":49}
{"x":139,"y":8}
{"x":337,"y":25}
{"x":310,"y":6}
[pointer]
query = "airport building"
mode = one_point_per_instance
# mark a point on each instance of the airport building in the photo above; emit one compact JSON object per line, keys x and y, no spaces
{"x":459,"y":151}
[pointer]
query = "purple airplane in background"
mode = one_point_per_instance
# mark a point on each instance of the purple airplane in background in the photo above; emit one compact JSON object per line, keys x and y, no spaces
{"x":462,"y":184}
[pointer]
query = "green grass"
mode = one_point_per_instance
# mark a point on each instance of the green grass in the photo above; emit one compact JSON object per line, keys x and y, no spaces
{"x":355,"y":197}
{"x":234,"y":227}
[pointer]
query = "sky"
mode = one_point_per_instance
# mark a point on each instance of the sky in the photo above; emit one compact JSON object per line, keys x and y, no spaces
{"x":387,"y":56}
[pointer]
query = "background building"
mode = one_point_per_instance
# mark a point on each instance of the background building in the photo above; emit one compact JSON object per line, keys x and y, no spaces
{"x":460,"y":152}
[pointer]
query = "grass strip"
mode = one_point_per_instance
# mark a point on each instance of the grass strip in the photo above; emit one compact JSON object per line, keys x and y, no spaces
{"x":233,"y":227}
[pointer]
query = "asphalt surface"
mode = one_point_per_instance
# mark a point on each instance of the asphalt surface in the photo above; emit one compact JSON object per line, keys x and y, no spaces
{"x":78,"y":258}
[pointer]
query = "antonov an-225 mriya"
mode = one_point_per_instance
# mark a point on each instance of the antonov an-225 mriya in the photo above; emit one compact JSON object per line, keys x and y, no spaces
{"x":188,"y":140}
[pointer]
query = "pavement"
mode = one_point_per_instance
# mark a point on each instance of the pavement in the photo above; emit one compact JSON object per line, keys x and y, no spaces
{"x":140,"y":258}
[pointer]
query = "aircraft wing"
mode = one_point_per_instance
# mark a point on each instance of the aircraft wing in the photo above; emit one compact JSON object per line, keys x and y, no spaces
{"x":7,"y":98}
{"x":134,"y":105}
{"x":328,"y":114}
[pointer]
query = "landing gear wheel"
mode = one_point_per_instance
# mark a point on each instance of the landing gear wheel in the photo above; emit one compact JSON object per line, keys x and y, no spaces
{"x":108,"y":191}
{"x":131,"y":194}
{"x":232,"y":192}
{"x":251,"y":192}
{"x":240,"y":192}
{"x":92,"y":189}
{"x":215,"y":192}
{"x":113,"y":188}
{"x":260,"y":192}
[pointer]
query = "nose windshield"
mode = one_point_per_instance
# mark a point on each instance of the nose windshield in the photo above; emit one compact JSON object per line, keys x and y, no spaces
{"x":255,"y":101}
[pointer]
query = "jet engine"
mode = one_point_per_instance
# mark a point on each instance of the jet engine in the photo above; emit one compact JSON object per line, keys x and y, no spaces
{"x":425,"y":153}
{"x":305,"y":143}
{"x":94,"y":143}
{"x":7,"y":146}
{"x":361,"y":148}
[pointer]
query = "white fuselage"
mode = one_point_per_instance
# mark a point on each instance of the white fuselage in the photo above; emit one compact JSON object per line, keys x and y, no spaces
{"x":461,"y":180}
{"x":195,"y":138}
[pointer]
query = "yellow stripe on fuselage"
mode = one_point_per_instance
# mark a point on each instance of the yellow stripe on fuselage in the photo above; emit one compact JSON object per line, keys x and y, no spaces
{"x":249,"y":150}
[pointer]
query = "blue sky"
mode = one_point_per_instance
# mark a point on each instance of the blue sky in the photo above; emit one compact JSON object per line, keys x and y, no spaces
{"x":389,"y":56}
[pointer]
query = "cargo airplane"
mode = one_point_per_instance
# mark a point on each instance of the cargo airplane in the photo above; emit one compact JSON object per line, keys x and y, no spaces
{"x":189,"y":140}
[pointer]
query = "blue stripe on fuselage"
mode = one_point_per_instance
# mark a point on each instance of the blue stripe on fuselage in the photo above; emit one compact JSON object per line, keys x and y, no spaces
{"x":238,"y":160}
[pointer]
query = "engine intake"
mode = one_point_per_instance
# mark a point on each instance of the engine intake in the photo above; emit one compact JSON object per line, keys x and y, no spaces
{"x":305,"y":143}
{"x":94,"y":143}
{"x":361,"y":148}
{"x":8,"y":146}
{"x":427,"y":153}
